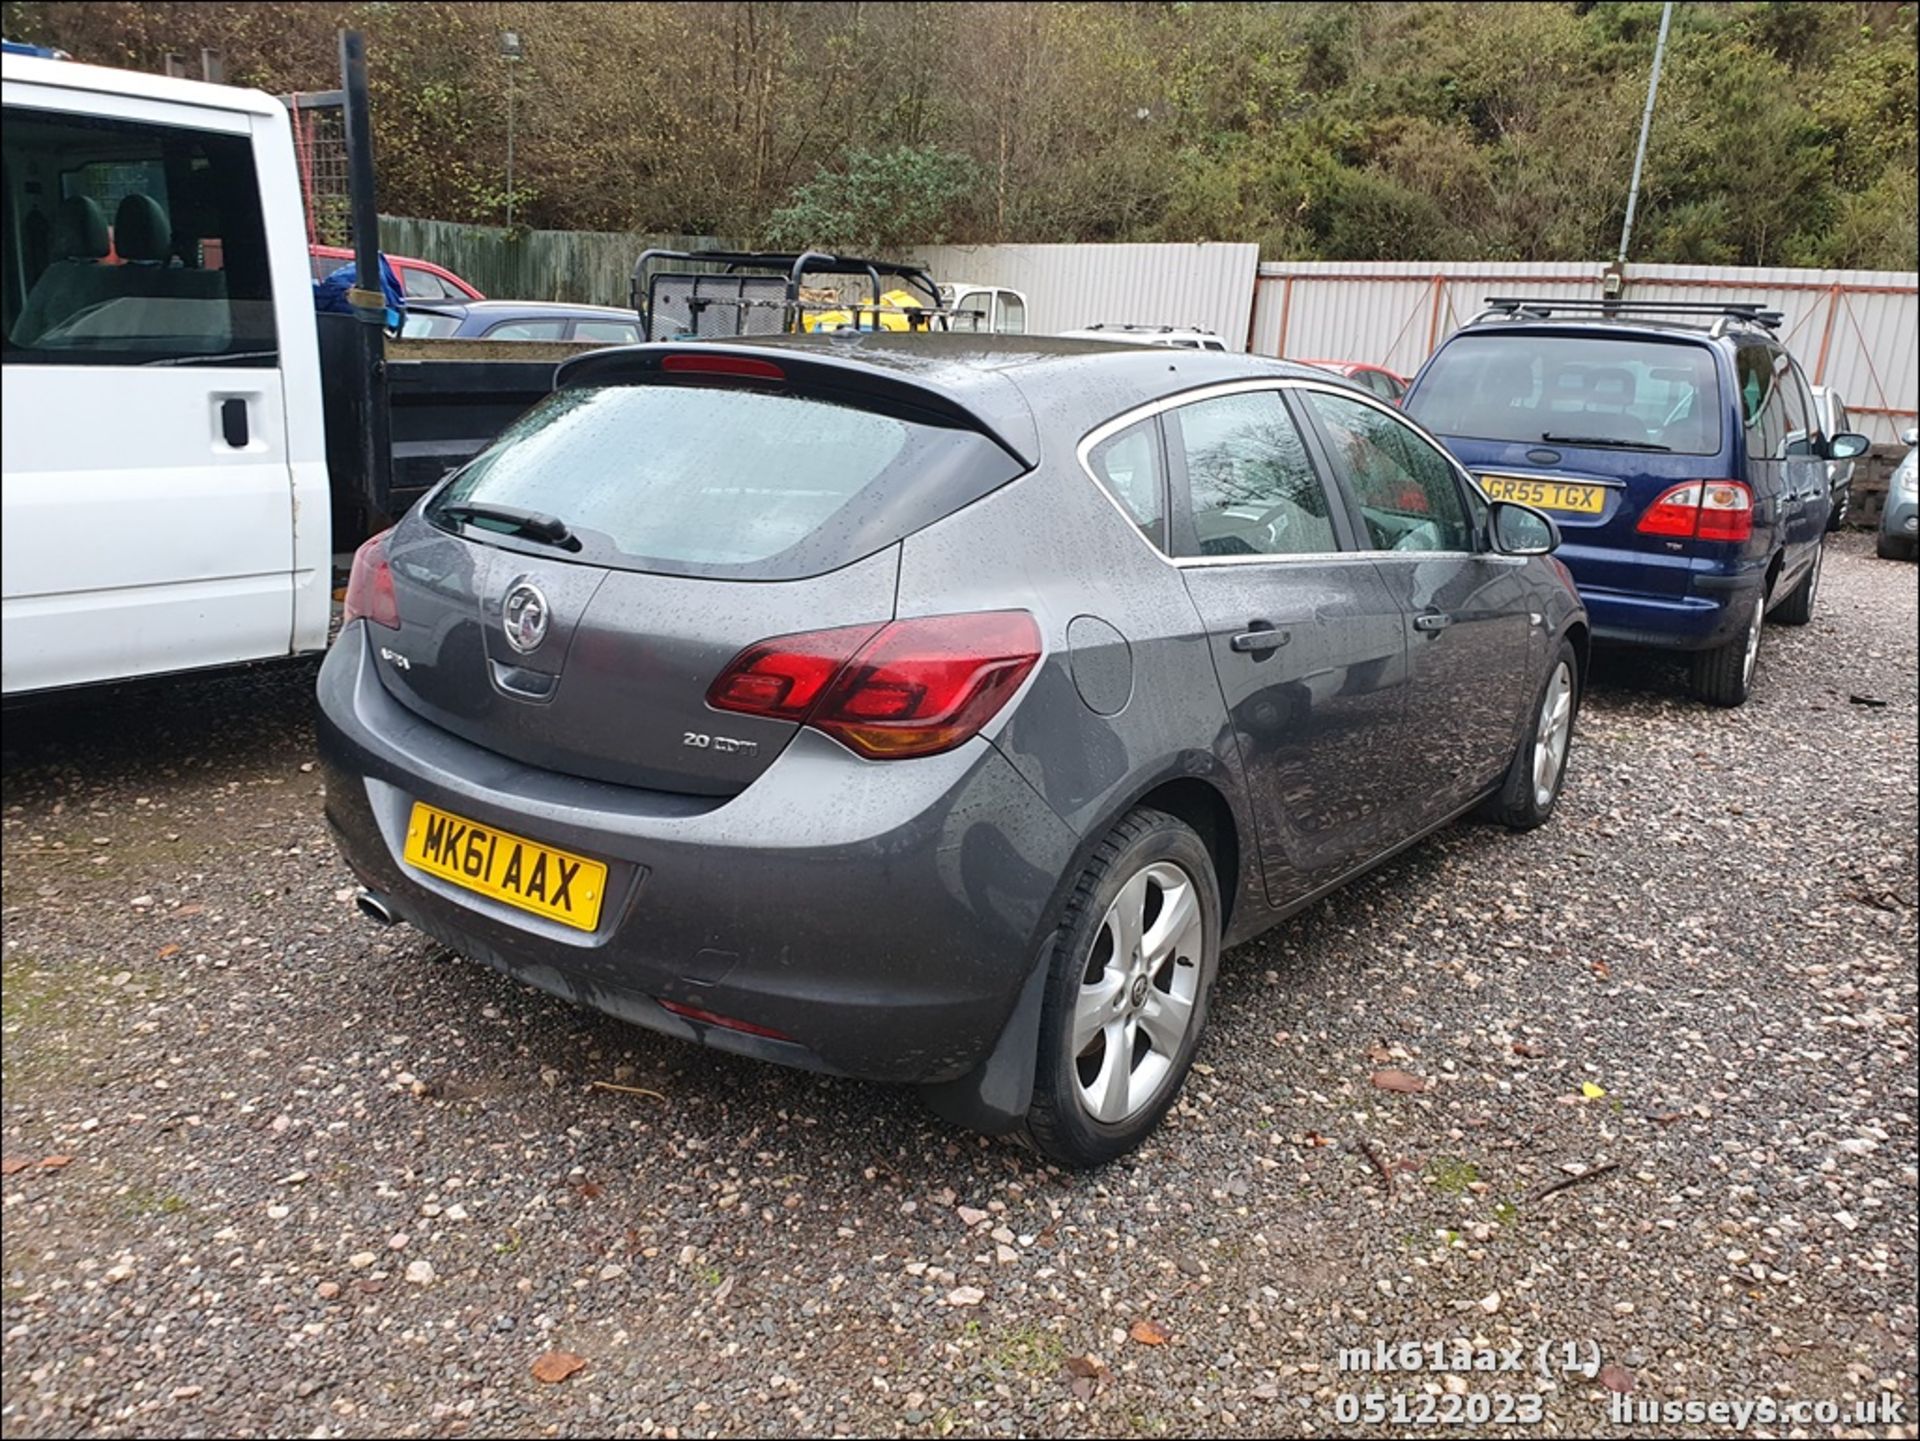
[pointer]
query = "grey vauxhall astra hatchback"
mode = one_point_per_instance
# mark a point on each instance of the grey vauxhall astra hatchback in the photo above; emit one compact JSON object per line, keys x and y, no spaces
{"x":934,"y":709}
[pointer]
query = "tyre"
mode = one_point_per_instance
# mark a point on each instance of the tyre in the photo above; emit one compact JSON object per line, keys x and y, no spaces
{"x":1842,"y":507}
{"x":1539,"y":770}
{"x":1724,"y":676}
{"x":1797,"y":609}
{"x":1131,"y":969}
{"x":1892,"y":547}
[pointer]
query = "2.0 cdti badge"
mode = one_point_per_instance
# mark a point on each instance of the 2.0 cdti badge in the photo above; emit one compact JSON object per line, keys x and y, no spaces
{"x":934,"y":710}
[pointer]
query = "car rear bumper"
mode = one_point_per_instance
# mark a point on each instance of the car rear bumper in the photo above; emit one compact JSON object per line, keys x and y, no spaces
{"x":1901,"y":519}
{"x":1687,"y":623}
{"x":882,"y":917}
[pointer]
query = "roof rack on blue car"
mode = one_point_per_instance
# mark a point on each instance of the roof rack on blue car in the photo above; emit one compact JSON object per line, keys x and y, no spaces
{"x":1726,"y":313}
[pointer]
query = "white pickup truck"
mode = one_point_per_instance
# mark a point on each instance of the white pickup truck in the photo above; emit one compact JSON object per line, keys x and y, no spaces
{"x":187,"y":445}
{"x":166,"y":495}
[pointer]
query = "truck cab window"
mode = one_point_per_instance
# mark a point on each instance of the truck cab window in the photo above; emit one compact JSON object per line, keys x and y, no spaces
{"x":154,"y":248}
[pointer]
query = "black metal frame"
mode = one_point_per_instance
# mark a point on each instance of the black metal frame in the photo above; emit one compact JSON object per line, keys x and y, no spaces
{"x":794,"y":268}
{"x":1513,"y":308}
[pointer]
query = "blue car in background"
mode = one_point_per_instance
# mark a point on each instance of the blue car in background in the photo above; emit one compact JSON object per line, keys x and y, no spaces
{"x":1677,"y":446}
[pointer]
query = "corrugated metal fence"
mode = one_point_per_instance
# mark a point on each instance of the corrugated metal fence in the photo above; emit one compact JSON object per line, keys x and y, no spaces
{"x":1856,"y":330}
{"x":1069,"y":287}
{"x":585,"y":266}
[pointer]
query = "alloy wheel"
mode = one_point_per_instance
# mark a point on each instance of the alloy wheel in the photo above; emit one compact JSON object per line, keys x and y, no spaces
{"x":1552,"y":734}
{"x":1754,"y":627}
{"x":1138,"y":993}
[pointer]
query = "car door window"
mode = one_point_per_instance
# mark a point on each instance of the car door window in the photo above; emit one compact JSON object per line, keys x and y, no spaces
{"x":1409,"y":492}
{"x":1251,"y":488}
{"x":1803,"y":428}
{"x":1127,"y":465}
{"x":1762,"y":403}
{"x":607,"y":332}
{"x":529,"y":330}
{"x":1012,"y":317}
{"x":421,"y":284}
{"x":154,"y":244}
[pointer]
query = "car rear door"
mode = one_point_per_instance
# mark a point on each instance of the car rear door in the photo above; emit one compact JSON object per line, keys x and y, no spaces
{"x":1469,"y":628}
{"x":1308,"y":644}
{"x":150,"y":516}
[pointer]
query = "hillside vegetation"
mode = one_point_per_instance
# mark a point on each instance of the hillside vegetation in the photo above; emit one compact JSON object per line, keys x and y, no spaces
{"x":1786,"y":132}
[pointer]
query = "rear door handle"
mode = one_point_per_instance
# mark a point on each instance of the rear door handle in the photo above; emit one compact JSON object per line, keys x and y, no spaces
{"x":1261,"y":638}
{"x":1432,"y":620}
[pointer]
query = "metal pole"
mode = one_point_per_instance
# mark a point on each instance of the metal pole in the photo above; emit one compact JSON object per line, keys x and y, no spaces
{"x":509,"y":144}
{"x":366,"y":298}
{"x":1646,"y":127}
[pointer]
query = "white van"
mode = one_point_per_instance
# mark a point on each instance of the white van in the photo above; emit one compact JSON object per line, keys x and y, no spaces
{"x":986,"y":309}
{"x":165,"y":481}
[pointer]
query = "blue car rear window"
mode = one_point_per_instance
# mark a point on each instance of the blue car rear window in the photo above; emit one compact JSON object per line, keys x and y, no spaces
{"x":1629,"y":392}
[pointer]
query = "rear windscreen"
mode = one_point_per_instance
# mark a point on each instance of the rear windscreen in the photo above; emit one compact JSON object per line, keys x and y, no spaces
{"x":1573,"y":390}
{"x":690,"y":480}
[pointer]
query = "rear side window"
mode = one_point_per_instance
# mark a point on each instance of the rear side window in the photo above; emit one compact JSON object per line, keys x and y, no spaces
{"x":713,"y":481}
{"x":611,"y":332}
{"x":129,"y":243}
{"x":1252,"y":489}
{"x":1127,"y":465}
{"x":425,"y":325}
{"x":1628,"y":392}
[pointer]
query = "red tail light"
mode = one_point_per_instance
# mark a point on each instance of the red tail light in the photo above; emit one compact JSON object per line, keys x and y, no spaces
{"x":907,"y":688}
{"x":1701,"y":510}
{"x":370,"y":586}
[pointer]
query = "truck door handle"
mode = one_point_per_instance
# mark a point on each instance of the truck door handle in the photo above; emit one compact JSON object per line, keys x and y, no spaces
{"x":233,"y":422}
{"x":1432,"y":620}
{"x":1261,"y":638}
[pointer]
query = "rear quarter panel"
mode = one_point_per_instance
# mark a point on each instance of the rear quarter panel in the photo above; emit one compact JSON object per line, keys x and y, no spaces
{"x":1120,"y":632}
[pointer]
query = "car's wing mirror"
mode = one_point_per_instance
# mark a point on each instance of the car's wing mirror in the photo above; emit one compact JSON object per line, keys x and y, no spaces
{"x":1521,"y":530}
{"x":1848,"y":445}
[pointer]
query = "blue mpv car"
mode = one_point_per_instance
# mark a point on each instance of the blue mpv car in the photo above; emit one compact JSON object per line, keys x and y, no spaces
{"x":1683,"y":461}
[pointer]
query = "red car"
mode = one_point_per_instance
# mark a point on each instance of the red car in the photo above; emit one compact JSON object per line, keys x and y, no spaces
{"x":1376,"y":378}
{"x":419,"y":279}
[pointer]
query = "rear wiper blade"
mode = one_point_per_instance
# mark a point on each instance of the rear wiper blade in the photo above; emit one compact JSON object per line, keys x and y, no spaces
{"x":513,"y":520}
{"x":1603,"y":440}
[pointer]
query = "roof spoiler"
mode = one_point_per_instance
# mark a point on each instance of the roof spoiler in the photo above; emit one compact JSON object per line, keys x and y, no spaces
{"x":815,"y":373}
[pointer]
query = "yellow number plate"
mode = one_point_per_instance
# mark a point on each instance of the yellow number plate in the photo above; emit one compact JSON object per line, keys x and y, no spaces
{"x":556,"y":884}
{"x":1546,"y":494}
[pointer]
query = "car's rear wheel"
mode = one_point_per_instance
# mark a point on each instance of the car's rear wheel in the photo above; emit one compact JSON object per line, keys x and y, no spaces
{"x":1797,"y":609}
{"x":1539,"y":768}
{"x":1131,"y":968}
{"x":1892,"y":547}
{"x":1724,"y":675}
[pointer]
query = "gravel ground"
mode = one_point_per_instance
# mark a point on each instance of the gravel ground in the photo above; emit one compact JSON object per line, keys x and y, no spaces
{"x":324,"y":1181}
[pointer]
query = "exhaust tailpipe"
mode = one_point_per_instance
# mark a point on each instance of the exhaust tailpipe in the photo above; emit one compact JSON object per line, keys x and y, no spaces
{"x":370,"y":905}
